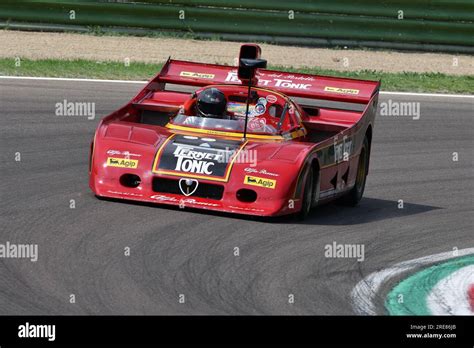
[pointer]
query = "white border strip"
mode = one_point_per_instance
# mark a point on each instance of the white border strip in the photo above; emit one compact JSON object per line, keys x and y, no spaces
{"x":470,"y":96}
{"x":429,"y":94}
{"x":365,"y":292}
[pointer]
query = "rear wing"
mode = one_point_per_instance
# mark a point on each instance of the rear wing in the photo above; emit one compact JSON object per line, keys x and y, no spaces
{"x":291,"y":84}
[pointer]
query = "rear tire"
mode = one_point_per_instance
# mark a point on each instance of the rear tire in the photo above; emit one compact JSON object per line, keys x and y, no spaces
{"x":307,"y":195}
{"x":353,"y":197}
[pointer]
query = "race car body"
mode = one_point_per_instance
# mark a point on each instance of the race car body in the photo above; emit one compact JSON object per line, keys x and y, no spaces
{"x":277,"y":149}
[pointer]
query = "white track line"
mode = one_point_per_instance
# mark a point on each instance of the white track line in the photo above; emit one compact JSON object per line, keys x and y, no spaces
{"x":429,"y":94}
{"x":69,"y":79}
{"x":470,"y":96}
{"x":365,"y":292}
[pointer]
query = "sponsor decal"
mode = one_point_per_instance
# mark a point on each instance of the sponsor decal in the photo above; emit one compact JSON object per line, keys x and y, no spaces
{"x":196,"y":157}
{"x":239,"y":109}
{"x":262,"y":101}
{"x":127,"y":154}
{"x":125,"y":193}
{"x":343,"y":150}
{"x":188,"y":186}
{"x":260,"y":109}
{"x":196,"y":75}
{"x":246,"y":208}
{"x":271,"y":98}
{"x":257,"y":124}
{"x":341,"y":90}
{"x":122,"y":162}
{"x":290,"y":76}
{"x":262,"y":182}
{"x":277,"y":80}
{"x":261,"y":171}
{"x":163,"y":198}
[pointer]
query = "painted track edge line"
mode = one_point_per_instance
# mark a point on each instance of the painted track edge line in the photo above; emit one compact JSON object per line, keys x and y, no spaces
{"x":470,"y":96}
{"x":69,"y":79}
{"x":143,"y":82}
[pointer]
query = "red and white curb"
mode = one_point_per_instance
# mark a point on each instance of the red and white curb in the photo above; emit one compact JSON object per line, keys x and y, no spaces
{"x":470,"y":296}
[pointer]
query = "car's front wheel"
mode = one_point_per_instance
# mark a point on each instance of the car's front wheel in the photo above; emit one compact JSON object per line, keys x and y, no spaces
{"x":307,"y":194}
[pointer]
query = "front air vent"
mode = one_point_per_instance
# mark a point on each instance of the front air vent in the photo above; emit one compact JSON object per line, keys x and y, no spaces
{"x":246,"y":195}
{"x":203,"y":190}
{"x":130,"y":180}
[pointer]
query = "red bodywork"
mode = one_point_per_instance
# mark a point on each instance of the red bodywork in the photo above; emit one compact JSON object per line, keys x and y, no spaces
{"x":135,"y":154}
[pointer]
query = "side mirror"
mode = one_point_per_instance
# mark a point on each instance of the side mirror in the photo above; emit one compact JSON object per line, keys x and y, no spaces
{"x":247,"y":68}
{"x":253,"y":63}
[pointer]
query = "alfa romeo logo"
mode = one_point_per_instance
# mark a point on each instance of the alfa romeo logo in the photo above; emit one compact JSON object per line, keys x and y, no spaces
{"x":188,"y":186}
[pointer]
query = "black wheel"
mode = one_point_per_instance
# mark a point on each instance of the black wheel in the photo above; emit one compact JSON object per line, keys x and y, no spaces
{"x":307,"y":194}
{"x":353,"y":197}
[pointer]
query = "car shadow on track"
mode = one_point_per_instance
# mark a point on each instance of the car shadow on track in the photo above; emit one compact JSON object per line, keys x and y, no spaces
{"x":368,"y":210}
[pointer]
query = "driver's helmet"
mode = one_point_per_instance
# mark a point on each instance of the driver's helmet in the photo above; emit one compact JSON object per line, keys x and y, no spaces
{"x":211,"y":103}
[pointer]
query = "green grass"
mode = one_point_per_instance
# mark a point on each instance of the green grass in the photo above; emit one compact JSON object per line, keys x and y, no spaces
{"x":413,"y":82}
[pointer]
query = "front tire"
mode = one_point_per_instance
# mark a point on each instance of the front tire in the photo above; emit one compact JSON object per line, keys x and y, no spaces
{"x":307,"y":195}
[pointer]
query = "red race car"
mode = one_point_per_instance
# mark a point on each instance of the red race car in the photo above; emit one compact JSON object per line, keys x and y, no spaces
{"x":238,"y":139}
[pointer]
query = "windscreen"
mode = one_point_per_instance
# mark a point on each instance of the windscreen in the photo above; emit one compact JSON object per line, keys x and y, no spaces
{"x":224,"y":125}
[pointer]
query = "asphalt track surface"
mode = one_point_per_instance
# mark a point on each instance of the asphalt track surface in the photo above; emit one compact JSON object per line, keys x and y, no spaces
{"x":173,"y":252}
